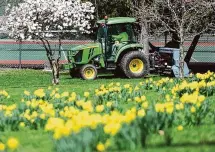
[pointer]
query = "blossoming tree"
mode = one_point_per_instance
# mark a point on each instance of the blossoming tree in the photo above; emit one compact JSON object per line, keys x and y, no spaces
{"x":42,"y":20}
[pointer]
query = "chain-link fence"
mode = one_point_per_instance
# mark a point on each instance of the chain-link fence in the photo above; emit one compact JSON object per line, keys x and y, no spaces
{"x":205,"y":49}
{"x":31,"y":54}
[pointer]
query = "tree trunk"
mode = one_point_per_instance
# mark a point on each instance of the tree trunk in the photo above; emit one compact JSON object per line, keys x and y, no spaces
{"x":144,"y":39}
{"x":181,"y":54}
{"x":54,"y":62}
{"x":55,"y":71}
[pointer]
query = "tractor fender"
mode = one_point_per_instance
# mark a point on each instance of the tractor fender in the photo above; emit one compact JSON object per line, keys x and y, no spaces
{"x":126,"y":49}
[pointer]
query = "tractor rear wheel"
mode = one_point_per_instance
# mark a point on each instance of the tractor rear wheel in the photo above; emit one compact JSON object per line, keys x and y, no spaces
{"x":88,"y":72}
{"x":134,"y":64}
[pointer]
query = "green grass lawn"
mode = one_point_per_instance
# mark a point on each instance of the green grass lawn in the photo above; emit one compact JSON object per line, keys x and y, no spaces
{"x":17,"y":81}
{"x":195,"y":139}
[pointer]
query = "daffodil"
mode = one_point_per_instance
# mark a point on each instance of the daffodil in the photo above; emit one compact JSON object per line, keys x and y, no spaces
{"x":141,"y":113}
{"x":12,"y":143}
{"x":109,"y":104}
{"x":22,"y":124}
{"x":180,"y":128}
{"x":27,"y":93}
{"x":86,"y":94}
{"x":99,"y":108}
{"x":2,"y":146}
{"x":39,"y":93}
{"x":145,"y":105}
{"x":100,"y":147}
{"x":192,"y":109}
{"x":159,"y":107}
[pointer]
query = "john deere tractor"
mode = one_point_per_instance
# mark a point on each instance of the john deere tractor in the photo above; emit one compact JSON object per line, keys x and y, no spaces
{"x":115,"y":49}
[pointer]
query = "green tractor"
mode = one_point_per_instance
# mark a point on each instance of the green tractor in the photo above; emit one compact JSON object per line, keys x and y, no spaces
{"x":115,"y":49}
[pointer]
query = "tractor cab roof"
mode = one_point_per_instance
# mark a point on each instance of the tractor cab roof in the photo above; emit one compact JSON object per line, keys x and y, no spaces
{"x":117,"y":20}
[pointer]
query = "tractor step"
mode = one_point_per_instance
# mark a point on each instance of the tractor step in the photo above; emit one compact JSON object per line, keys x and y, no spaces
{"x":111,"y":60}
{"x":111,"y":68}
{"x":111,"y":65}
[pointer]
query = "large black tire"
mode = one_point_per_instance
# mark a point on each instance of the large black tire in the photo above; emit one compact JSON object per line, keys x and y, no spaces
{"x":134,"y":64}
{"x":88,"y":72}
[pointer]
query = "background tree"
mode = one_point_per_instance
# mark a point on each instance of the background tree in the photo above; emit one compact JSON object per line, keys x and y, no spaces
{"x":213,"y":16}
{"x":184,"y":18}
{"x":140,"y":9}
{"x":3,"y":5}
{"x":113,"y":8}
{"x":7,"y":4}
{"x":42,"y":20}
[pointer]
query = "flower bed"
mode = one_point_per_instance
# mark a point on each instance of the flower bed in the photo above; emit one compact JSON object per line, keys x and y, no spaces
{"x":114,"y":117}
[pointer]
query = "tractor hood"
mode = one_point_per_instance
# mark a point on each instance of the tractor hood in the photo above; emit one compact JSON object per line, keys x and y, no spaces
{"x":85,"y":46}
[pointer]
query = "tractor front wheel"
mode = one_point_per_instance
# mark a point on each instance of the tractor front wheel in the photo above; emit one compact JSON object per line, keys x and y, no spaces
{"x":88,"y":72}
{"x":134,"y":64}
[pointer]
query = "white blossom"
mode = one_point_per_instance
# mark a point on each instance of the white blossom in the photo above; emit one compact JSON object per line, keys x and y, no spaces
{"x":33,"y":17}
